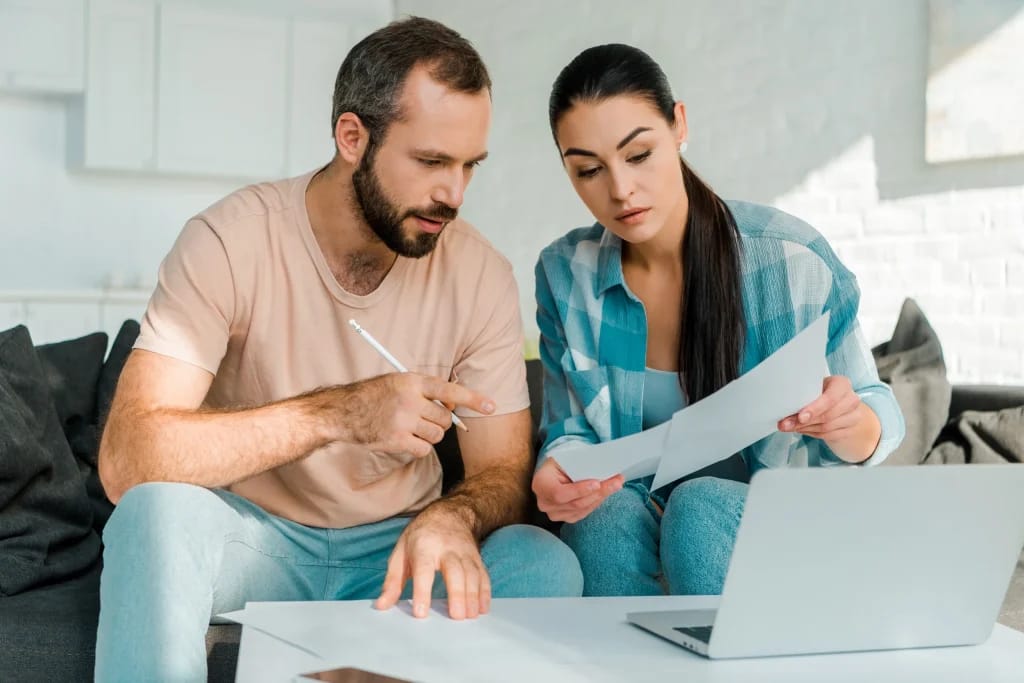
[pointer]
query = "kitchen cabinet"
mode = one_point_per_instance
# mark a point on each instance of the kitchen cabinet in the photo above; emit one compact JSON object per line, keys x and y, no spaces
{"x":42,"y":45}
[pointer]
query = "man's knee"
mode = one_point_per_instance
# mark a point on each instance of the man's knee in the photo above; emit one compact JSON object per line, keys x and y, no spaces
{"x":527,"y":561}
{"x":158,"y":512}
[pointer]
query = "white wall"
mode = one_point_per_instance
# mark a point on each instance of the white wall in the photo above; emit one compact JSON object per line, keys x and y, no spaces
{"x":63,"y":229}
{"x":816,"y":107}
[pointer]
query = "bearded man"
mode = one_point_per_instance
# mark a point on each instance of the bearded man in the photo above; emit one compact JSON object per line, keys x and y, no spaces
{"x":259,"y":449}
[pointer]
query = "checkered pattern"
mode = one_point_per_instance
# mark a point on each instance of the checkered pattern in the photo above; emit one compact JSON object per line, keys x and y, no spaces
{"x":594,"y":333}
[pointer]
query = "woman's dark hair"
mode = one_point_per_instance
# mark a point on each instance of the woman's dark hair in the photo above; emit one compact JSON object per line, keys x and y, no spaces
{"x":713,"y":323}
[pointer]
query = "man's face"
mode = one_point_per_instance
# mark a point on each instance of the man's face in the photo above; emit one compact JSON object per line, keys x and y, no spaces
{"x":410,"y":185}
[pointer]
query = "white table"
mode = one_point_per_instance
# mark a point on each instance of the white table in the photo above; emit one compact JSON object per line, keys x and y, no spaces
{"x":563,"y":639}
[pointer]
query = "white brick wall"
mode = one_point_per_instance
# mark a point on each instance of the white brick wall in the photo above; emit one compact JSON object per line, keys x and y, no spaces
{"x":817,"y":108}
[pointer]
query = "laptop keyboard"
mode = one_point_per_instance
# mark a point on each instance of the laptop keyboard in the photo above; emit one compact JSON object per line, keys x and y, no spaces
{"x":701,"y":633}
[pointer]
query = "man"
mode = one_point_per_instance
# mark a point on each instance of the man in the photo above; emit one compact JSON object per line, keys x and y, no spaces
{"x":304,"y":465}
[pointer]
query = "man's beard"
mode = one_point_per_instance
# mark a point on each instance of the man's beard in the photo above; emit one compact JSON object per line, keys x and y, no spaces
{"x":385,"y":218}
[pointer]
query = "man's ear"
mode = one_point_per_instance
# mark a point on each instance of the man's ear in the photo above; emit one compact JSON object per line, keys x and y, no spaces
{"x":350,"y":138}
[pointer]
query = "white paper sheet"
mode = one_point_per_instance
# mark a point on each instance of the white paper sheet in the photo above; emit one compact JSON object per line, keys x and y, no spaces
{"x":737,"y":415}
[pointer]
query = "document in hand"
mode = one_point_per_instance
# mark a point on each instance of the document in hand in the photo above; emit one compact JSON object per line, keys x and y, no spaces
{"x":742,"y":412}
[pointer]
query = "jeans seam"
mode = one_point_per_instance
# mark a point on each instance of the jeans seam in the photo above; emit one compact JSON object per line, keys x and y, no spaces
{"x":275,"y":556}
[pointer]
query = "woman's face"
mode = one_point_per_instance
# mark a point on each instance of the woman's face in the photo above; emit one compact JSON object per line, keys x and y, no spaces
{"x":622,"y":157}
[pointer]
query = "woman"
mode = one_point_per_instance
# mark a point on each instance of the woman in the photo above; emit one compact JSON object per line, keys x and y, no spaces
{"x":669,"y":296}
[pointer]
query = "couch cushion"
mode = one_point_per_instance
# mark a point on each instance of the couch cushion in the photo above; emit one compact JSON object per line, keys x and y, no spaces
{"x":49,"y":633}
{"x":981,"y":437}
{"x":46,"y":531}
{"x":911,"y":363}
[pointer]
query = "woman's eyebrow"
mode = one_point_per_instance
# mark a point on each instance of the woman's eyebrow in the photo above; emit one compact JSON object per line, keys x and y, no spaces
{"x":576,"y":151}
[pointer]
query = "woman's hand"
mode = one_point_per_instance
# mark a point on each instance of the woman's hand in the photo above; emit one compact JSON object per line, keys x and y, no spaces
{"x":564,"y":500}
{"x":839,"y":418}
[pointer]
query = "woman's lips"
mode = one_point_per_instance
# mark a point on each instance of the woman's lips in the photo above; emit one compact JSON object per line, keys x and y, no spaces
{"x":633,"y":216}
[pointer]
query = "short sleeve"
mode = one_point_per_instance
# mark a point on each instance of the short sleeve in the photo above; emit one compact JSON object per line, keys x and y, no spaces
{"x":190,"y":313}
{"x":493,"y":363}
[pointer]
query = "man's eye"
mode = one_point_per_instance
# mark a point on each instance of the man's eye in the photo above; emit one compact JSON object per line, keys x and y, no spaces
{"x":430,"y":162}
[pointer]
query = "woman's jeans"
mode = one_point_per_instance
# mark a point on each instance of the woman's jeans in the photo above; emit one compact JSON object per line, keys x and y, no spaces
{"x":628,"y":547}
{"x":176,"y":555}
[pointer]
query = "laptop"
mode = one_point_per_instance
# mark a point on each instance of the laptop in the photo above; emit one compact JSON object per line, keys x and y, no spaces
{"x":847,"y":559}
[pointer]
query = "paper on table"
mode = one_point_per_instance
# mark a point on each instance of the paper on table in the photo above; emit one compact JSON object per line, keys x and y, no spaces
{"x":740,"y":413}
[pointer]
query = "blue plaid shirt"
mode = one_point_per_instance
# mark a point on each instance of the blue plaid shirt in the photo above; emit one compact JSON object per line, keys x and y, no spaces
{"x":593,"y":342}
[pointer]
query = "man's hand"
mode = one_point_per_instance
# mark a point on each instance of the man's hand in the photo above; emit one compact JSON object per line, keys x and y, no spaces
{"x":438,"y":541}
{"x":566,"y":501}
{"x":396,"y":413}
{"x":839,"y":418}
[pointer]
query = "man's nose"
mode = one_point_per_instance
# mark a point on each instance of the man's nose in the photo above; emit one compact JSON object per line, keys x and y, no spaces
{"x":452,"y":189}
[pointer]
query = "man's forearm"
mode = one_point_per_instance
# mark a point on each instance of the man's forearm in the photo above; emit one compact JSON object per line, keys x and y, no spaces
{"x":212,"y":448}
{"x":494,"y":498}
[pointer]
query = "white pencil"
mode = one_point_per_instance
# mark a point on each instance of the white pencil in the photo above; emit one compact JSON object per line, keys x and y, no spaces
{"x":397,"y":365}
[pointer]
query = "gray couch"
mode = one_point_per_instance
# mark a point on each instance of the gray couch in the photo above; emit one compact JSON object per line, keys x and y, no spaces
{"x":48,"y":632}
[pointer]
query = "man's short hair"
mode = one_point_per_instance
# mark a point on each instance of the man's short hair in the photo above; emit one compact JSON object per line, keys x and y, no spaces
{"x":370,"y":80}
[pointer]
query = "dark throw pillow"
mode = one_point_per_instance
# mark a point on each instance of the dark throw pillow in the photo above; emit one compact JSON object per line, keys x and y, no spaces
{"x":119,"y":350}
{"x":911,"y":363}
{"x":46,"y":532}
{"x":72,"y":369}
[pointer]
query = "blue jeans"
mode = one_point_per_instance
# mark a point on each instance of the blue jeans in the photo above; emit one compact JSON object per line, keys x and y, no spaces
{"x":627,"y":547}
{"x":175,"y":555}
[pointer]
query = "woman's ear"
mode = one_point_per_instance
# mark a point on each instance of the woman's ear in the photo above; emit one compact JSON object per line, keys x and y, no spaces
{"x":350,"y":138}
{"x":679,"y":128}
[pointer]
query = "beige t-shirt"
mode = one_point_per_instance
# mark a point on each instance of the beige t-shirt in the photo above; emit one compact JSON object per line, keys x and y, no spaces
{"x":246,"y":294}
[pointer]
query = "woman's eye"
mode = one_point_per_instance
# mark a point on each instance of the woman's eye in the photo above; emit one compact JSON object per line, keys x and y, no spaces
{"x":639,"y":157}
{"x":587,"y":172}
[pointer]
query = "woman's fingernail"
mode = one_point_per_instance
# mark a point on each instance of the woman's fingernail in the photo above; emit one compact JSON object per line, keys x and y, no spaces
{"x":805,"y":416}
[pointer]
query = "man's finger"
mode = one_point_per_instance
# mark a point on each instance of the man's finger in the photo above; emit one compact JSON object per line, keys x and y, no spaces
{"x":394,"y":579}
{"x":455,"y":584}
{"x":455,"y":394}
{"x":485,"y":589}
{"x":439,"y":415}
{"x":472,"y":571}
{"x":422,"y":586}
{"x":416,"y":446}
{"x":428,"y":431}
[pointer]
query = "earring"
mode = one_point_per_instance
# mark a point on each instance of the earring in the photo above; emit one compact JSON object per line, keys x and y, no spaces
{"x":682,"y":147}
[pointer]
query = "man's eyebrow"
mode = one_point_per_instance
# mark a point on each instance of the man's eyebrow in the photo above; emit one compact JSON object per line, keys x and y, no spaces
{"x":576,"y":151}
{"x":444,"y":157}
